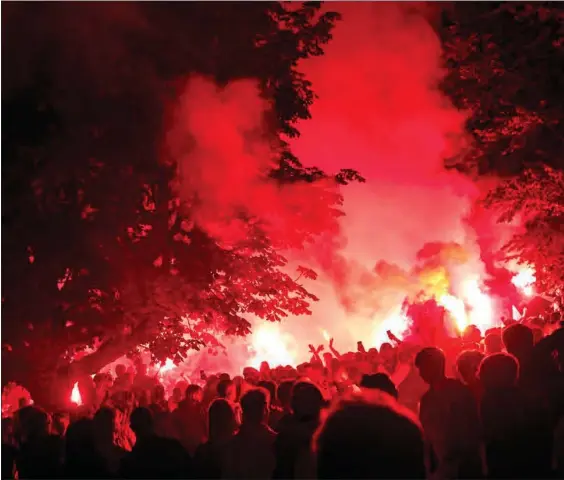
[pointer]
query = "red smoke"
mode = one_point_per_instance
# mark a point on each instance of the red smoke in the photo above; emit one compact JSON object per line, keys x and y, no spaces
{"x":380,"y":112}
{"x":224,"y":155}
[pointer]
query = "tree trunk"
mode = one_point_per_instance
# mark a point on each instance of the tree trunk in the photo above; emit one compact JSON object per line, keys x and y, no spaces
{"x":52,"y":389}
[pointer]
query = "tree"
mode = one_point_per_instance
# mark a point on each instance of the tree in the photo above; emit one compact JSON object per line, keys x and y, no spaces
{"x":98,"y":247}
{"x":504,"y":68}
{"x":538,"y":197}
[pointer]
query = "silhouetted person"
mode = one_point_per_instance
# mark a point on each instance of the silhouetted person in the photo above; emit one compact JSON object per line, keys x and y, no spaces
{"x":292,"y":445}
{"x":103,"y":383}
{"x":176,"y":397}
{"x":40,"y":454}
{"x":250,"y":453}
{"x":388,"y":357}
{"x":9,"y":450}
{"x":123,"y":381}
{"x":540,"y":382}
{"x":467,"y":365}
{"x":493,"y":343}
{"x":105,"y":429}
{"x":60,"y":423}
{"x":153,"y":456}
{"x":227,"y":390}
{"x":274,"y":413}
{"x":210,"y":390}
{"x":82,"y":459}
{"x":369,"y":435}
{"x":538,"y":364}
{"x":519,"y":342}
{"x":222,"y":426}
{"x":379,"y":381}
{"x":449,"y":416}
{"x":158,"y":397}
{"x":189,"y":419}
{"x":284,"y":396}
{"x":251,"y":375}
{"x":161,"y":414}
{"x":412,"y":388}
{"x":515,"y":434}
{"x":143,"y":382}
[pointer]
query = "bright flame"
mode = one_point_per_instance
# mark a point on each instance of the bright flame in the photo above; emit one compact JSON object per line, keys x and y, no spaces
{"x":75,"y":395}
{"x":515,"y":314}
{"x":435,"y":282}
{"x":455,"y":306}
{"x":473,"y":308}
{"x":481,"y":306}
{"x":397,"y":322}
{"x":325,"y":334}
{"x":524,"y":280}
{"x":168,"y":365}
{"x":271,"y":345}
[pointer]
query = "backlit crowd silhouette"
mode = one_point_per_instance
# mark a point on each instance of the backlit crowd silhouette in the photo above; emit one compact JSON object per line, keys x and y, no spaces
{"x":483,"y":405}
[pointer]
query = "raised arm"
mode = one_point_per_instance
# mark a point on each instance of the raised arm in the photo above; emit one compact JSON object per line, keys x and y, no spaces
{"x":333,"y":350}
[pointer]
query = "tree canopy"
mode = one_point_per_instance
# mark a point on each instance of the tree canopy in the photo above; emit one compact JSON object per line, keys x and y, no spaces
{"x":504,"y":64}
{"x":98,"y":246}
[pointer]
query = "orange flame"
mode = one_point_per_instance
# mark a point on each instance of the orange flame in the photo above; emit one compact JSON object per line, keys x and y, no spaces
{"x":455,"y":306}
{"x":434,"y":282}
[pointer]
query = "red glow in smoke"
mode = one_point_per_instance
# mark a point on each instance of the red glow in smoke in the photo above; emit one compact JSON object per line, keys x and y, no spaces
{"x":224,"y":155}
{"x":379,"y":111}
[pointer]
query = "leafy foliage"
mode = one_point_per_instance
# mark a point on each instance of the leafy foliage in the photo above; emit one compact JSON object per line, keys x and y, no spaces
{"x":537,"y":197}
{"x":96,"y":247}
{"x":505,"y":69}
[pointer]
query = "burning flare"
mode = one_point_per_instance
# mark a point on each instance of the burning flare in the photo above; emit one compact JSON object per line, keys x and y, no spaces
{"x":456,"y":308}
{"x":271,"y":345}
{"x":75,"y":395}
{"x":166,"y":367}
{"x":524,"y":280}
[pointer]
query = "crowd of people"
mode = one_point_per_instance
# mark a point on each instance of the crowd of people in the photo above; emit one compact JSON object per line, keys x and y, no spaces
{"x":483,"y":405}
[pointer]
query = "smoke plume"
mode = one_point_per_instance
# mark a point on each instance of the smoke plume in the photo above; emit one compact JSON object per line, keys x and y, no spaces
{"x":380,"y":111}
{"x":224,"y":156}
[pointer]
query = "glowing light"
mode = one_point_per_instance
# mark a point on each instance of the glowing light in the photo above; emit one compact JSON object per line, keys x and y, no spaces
{"x":515,"y":314}
{"x":325,"y":334}
{"x":524,"y":280}
{"x":270,"y":345}
{"x":397,"y":322}
{"x":75,"y":395}
{"x":168,"y":365}
{"x":455,"y":306}
{"x":435,"y":282}
{"x":481,"y":306}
